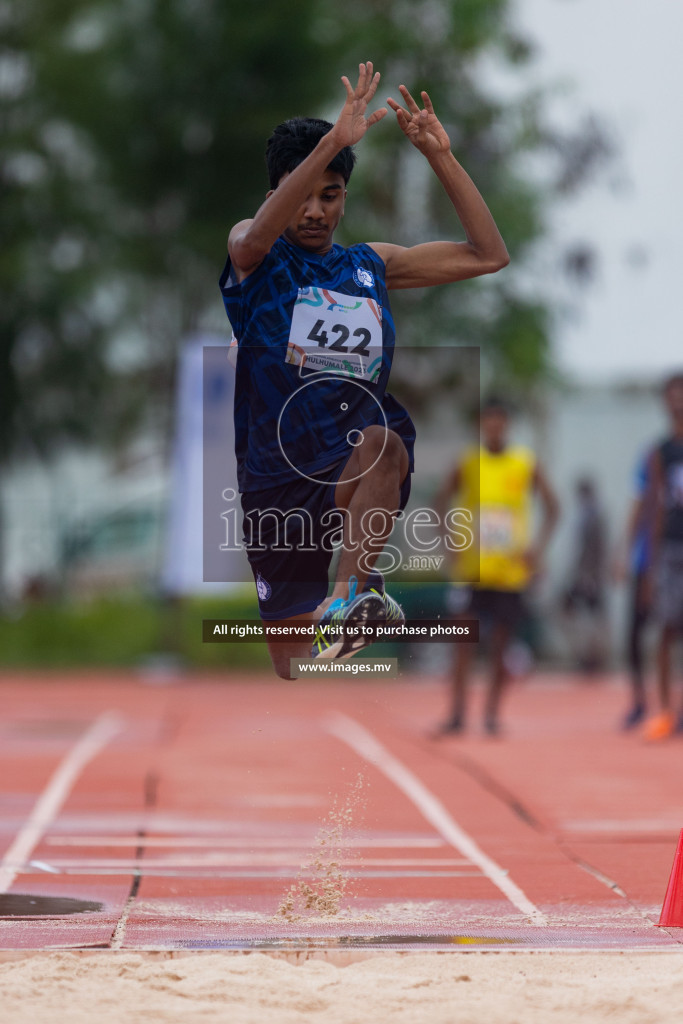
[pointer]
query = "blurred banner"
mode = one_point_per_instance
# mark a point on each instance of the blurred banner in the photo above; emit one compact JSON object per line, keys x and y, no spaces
{"x":203,"y":465}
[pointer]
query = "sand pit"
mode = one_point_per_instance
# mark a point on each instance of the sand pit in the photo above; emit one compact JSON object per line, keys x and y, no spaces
{"x":473,"y":988}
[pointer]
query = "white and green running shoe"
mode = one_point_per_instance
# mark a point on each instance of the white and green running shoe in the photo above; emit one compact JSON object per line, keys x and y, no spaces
{"x":394,"y":612}
{"x":373,"y":604}
{"x":333,"y":639}
{"x":375,"y":585}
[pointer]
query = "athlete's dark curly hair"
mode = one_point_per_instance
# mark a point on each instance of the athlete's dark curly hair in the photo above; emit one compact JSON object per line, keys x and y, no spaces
{"x":496,"y":403}
{"x":293,"y":140}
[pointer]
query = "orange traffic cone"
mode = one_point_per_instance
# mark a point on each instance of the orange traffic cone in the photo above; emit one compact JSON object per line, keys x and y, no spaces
{"x":672,"y":908}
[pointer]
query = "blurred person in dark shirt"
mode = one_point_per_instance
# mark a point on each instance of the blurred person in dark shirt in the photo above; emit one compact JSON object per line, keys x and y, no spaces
{"x":633,"y":563}
{"x":665,"y":581}
{"x":583,"y":600}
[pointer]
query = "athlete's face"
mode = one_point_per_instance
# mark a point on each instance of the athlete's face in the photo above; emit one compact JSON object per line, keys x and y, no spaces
{"x":316,"y":220}
{"x":494,"y":429}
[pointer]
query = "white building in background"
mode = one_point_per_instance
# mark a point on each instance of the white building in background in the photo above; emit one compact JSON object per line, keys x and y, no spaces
{"x":84,"y":522}
{"x":621,"y":62}
{"x":86,"y":525}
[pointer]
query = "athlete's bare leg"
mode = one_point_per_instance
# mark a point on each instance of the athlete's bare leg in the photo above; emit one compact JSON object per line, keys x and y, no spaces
{"x":666,"y":641}
{"x":371,"y":480}
{"x":281,"y":651}
{"x":638,"y":620}
{"x":463,"y":655}
{"x":500,"y":638}
{"x":663,"y":724}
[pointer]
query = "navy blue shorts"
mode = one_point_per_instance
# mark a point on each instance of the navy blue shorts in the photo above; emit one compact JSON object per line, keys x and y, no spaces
{"x":290,"y":534}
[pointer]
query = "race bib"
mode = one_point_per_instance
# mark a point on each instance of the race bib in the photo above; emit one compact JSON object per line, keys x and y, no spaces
{"x":336,"y":333}
{"x":496,"y":529}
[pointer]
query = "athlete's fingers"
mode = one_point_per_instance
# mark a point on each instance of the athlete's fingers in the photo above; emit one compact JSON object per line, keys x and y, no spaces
{"x":372,"y":88}
{"x":410,"y":102}
{"x":362,"y":78}
{"x":428,"y":103}
{"x":377,"y":116}
{"x":422,"y":123}
{"x":402,"y":116}
{"x":403,"y":119}
{"x":348,"y":87}
{"x":394,"y":105}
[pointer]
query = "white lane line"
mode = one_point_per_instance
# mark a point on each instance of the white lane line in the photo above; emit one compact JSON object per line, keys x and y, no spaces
{"x":366,"y":746}
{"x":85,"y":864}
{"x":55,"y":794}
{"x":246,"y":874}
{"x":247,"y":844}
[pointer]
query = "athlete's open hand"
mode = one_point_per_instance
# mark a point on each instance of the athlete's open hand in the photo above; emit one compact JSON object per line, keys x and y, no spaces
{"x":352,"y":123}
{"x":422,"y":127}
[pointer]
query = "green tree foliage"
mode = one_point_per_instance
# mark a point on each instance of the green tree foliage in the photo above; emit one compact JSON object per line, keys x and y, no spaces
{"x":133,"y":135}
{"x":469,"y":57}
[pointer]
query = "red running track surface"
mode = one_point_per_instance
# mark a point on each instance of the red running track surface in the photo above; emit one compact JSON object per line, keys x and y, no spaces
{"x":179,"y":816}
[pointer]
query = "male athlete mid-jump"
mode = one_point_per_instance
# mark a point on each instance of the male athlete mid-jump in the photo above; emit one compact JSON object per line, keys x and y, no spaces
{"x":324,"y":453}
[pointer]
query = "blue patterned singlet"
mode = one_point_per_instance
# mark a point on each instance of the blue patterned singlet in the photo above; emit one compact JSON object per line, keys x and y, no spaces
{"x":315,"y":344}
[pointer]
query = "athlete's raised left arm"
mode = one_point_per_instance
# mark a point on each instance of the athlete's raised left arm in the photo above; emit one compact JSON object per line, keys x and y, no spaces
{"x":434,"y":263}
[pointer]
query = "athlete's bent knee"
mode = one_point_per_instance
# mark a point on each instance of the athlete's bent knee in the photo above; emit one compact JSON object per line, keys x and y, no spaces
{"x":382,"y":445}
{"x":280,"y":656}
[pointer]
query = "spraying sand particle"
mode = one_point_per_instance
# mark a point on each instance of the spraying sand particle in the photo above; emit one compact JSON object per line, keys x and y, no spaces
{"x":322,"y":886}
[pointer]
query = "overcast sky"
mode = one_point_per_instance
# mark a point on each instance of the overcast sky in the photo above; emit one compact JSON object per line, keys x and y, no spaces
{"x":624,"y":57}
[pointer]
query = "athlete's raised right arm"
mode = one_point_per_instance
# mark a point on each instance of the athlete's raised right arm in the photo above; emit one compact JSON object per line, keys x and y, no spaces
{"x":251,"y":240}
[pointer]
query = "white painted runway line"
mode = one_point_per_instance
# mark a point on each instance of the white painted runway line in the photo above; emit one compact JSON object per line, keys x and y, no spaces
{"x":247,"y":873}
{"x":248,"y":843}
{"x":246,"y":860}
{"x":53,"y":797}
{"x":86,"y":864}
{"x":362,"y":741}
